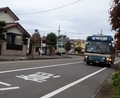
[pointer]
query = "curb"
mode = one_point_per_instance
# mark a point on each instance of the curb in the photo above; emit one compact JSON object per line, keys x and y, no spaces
{"x":34,"y":59}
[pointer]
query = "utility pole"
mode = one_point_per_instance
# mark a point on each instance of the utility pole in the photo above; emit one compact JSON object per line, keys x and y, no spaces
{"x":79,"y":32}
{"x":59,"y":30}
{"x":58,"y":35}
{"x":101,"y":32}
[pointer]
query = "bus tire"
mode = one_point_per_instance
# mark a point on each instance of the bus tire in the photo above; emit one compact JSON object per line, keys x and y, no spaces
{"x":88,"y":63}
{"x":108,"y":65}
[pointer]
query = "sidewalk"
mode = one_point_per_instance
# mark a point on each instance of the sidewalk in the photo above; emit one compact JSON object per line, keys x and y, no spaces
{"x":14,"y":58}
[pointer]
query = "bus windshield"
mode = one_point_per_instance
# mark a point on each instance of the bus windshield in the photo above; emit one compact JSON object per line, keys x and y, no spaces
{"x":98,"y":47}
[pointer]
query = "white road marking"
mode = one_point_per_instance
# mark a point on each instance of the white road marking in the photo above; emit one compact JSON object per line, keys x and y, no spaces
{"x":8,"y":71}
{"x":9,"y":88}
{"x":32,"y":61}
{"x":117,"y":62}
{"x":71,"y":84}
{"x":38,"y":77}
{"x":56,"y":76}
{"x":6,"y":84}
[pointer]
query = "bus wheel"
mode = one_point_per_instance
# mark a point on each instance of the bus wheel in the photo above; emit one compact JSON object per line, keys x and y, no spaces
{"x":88,"y":63}
{"x":108,"y":65}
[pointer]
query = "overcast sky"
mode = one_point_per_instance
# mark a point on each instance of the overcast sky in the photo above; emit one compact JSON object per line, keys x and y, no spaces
{"x":77,"y":18}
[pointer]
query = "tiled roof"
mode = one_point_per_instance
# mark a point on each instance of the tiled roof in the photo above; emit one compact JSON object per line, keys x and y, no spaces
{"x":16,"y":24}
{"x":7,"y":9}
{"x":10,"y":25}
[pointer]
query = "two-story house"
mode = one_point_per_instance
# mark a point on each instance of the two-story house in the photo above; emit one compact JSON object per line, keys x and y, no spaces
{"x":15,"y":44}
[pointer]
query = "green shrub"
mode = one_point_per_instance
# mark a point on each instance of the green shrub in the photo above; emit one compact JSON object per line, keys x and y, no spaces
{"x":116,"y":82}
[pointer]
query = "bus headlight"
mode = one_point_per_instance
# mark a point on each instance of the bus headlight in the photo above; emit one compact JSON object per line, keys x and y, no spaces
{"x":109,"y":59}
{"x":85,"y":58}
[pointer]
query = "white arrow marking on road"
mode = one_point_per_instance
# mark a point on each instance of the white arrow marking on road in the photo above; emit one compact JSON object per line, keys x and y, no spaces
{"x":71,"y":84}
{"x":9,"y":88}
{"x":6,"y":84}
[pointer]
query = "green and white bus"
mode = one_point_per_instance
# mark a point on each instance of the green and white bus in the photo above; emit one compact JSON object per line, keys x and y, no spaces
{"x":99,"y":49}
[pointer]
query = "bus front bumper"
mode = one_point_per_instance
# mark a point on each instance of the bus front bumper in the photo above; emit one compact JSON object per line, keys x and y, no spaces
{"x":97,"y":61}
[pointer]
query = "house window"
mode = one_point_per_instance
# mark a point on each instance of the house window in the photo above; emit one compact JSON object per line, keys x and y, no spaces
{"x":18,"y":40}
{"x":12,"y":43}
{"x":9,"y":37}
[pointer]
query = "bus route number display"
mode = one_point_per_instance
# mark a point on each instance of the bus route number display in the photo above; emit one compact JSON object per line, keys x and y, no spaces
{"x":99,"y":38}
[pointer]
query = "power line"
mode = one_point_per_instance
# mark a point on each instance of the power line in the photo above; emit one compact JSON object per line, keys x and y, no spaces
{"x":51,"y":9}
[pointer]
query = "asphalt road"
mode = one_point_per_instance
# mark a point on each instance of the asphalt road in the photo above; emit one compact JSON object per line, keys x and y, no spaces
{"x":57,"y":78}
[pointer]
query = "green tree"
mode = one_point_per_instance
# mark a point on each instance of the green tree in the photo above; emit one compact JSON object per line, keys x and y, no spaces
{"x":24,"y":38}
{"x":115,"y":20}
{"x":51,"y":39}
{"x":2,"y":25}
{"x":68,"y":46}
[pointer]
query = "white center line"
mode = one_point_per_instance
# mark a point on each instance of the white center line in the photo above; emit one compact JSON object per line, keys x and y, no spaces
{"x":9,"y":88}
{"x":6,"y":84}
{"x":71,"y":84}
{"x":8,"y":71}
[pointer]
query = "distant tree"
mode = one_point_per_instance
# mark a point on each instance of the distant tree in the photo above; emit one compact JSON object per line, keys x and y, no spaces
{"x":78,"y":49}
{"x":117,"y":44}
{"x":2,"y":25}
{"x":51,"y":39}
{"x":115,"y":20}
{"x":68,"y":46}
{"x":36,"y":39}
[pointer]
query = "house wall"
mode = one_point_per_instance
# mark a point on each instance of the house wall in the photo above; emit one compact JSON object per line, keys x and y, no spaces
{"x":6,"y":17}
{"x":35,"y":53}
{"x":14,"y":30}
{"x":83,"y":46}
{"x":80,"y":44}
{"x":5,"y":51}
